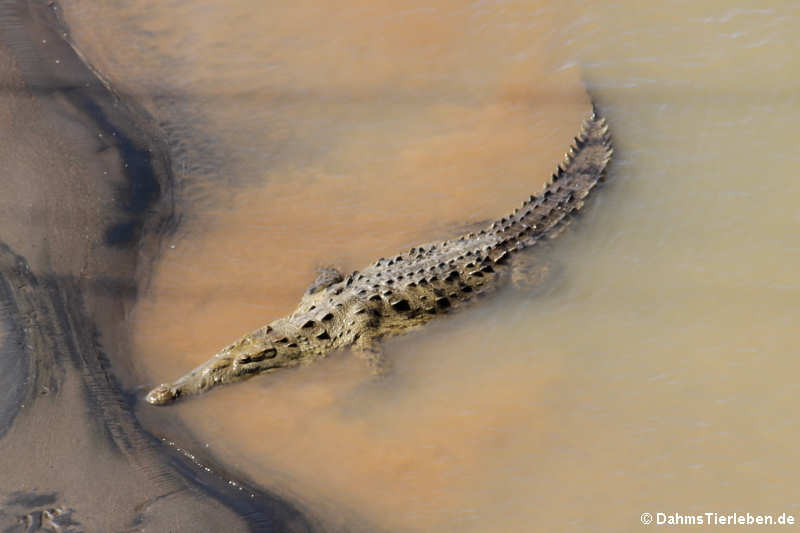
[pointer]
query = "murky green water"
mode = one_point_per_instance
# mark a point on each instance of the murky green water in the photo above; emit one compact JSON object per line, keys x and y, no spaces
{"x":655,"y":373}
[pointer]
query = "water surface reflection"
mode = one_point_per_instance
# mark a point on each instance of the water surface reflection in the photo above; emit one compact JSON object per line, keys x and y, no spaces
{"x":653,"y":374}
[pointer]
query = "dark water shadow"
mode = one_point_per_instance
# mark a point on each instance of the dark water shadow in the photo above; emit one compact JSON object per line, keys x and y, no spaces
{"x":55,"y":324}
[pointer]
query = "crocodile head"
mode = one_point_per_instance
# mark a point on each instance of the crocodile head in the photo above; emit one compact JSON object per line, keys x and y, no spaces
{"x":253,"y":354}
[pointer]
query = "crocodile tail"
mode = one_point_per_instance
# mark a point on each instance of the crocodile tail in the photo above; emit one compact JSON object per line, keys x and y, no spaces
{"x":544,"y":215}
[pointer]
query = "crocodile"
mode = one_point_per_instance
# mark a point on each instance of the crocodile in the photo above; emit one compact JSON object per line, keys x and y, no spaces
{"x":401,"y":293}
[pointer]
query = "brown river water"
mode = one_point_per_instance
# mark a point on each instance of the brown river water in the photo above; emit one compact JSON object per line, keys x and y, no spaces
{"x":656,"y":372}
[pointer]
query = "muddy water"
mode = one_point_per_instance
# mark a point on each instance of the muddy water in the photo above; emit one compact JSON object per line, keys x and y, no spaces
{"x":654,"y":373}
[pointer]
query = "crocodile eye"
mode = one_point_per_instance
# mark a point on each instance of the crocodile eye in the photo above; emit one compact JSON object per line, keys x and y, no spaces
{"x":269,"y":353}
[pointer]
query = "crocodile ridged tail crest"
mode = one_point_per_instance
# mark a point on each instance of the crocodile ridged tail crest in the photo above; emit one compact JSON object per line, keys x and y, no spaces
{"x":545,"y":214}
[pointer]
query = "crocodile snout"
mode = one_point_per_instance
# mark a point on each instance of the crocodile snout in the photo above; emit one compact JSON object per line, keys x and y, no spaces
{"x":162,"y":395}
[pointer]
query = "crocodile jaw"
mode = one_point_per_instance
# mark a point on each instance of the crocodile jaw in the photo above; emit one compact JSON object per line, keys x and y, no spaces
{"x":252,"y":354}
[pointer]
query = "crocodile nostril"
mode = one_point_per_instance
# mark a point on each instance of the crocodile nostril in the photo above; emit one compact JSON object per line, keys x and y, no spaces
{"x":162,"y":395}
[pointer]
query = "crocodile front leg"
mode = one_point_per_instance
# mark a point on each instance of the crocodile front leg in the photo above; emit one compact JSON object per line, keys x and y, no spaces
{"x":326,"y":276}
{"x":370,"y":350}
